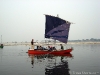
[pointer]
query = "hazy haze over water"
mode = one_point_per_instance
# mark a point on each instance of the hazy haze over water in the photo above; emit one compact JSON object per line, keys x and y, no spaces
{"x":22,"y":20}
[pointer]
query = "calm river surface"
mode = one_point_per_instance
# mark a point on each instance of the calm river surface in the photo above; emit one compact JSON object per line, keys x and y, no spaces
{"x":85,"y":60}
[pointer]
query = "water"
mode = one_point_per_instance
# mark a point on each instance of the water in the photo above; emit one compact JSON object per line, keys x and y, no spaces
{"x":15,"y":61}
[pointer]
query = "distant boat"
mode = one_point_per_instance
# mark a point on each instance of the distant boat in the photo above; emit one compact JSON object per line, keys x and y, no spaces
{"x":1,"y":45}
{"x":56,"y":29}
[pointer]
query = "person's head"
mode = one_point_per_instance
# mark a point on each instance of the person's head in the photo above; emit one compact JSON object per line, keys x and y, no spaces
{"x":60,"y":44}
{"x":48,"y":46}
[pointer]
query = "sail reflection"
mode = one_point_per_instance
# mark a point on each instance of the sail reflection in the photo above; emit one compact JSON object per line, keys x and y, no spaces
{"x":61,"y":69}
{"x":53,"y":67}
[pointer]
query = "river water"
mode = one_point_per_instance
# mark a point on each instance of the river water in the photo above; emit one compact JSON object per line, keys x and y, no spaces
{"x":84,"y":60}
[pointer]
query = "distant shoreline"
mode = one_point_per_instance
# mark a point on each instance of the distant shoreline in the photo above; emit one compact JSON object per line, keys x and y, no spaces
{"x":69,"y":43}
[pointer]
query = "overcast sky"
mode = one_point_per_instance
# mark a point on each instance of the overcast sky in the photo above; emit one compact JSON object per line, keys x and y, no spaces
{"x":22,"y":20}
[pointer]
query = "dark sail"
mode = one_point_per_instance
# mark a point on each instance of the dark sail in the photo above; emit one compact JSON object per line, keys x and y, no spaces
{"x":56,"y":28}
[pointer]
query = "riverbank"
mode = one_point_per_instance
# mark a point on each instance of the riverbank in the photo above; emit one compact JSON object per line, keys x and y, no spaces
{"x":41,"y":43}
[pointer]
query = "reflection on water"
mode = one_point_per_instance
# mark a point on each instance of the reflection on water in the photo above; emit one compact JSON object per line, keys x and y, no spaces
{"x":61,"y":69}
{"x":15,"y":61}
{"x":53,"y":67}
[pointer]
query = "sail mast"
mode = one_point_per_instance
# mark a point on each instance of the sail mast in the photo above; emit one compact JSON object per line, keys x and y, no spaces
{"x":57,"y":15}
{"x":54,"y":39}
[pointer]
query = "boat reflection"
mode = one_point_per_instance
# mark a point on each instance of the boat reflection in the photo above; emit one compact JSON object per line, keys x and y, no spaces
{"x":61,"y":69}
{"x":40,"y":56}
{"x":58,"y":68}
{"x":32,"y":60}
{"x":55,"y":68}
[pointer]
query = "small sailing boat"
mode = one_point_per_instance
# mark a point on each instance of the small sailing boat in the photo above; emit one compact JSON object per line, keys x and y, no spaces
{"x":1,"y":45}
{"x":57,"y":29}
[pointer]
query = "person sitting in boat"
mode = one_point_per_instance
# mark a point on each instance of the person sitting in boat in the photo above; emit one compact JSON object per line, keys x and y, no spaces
{"x":54,"y":48}
{"x":37,"y":48}
{"x":44,"y":48}
{"x":62,"y":48}
{"x":50,"y":48}
{"x":40,"y":48}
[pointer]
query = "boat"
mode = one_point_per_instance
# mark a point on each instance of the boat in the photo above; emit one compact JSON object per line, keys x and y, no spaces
{"x":1,"y":45}
{"x":50,"y":52}
{"x":56,"y":29}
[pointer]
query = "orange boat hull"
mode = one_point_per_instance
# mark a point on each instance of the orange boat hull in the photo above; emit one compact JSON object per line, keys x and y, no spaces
{"x":49,"y":52}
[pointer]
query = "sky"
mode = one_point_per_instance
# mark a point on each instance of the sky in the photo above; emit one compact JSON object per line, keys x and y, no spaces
{"x":23,"y":20}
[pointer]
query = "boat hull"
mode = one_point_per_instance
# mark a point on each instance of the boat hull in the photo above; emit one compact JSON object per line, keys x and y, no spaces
{"x":49,"y":52}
